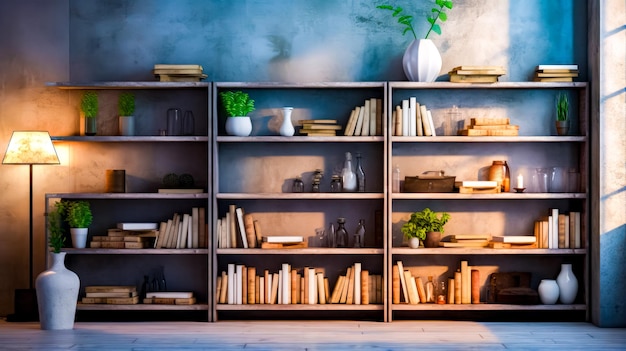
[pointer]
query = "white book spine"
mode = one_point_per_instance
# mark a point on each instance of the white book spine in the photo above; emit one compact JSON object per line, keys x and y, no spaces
{"x":280,"y":287}
{"x":412,"y":116}
{"x":231,"y":284}
{"x":432,"y":124}
{"x":268,"y":285}
{"x":312,"y":286}
{"x":286,"y":271}
{"x":239,"y":284}
{"x":555,"y":228}
{"x":405,"y":117}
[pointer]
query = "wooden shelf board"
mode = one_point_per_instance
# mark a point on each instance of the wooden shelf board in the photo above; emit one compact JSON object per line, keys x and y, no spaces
{"x":499,"y":196}
{"x":485,"y":251}
{"x":308,"y":85}
{"x":498,"y":85}
{"x":305,"y":251}
{"x":485,"y":307}
{"x":141,"y":307}
{"x":128,"y":196}
{"x":300,"y":139}
{"x":299,"y":196}
{"x":89,"y":251}
{"x":489,"y":139}
{"x":131,"y":139}
{"x":299,"y":307}
{"x":129,"y":85}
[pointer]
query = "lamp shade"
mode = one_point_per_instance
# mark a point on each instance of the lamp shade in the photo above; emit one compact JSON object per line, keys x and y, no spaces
{"x":30,"y":148}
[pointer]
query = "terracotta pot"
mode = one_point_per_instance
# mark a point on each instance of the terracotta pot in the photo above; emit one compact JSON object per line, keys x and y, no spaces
{"x":432,"y":239}
{"x":562,"y":127}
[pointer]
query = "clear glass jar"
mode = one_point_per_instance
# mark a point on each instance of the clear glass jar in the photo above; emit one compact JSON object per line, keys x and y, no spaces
{"x":331,"y":236}
{"x":430,"y":290}
{"x":360,"y":174}
{"x":396,"y":179}
{"x":188,"y":127}
{"x":335,"y":184}
{"x":298,"y":185}
{"x":174,"y":122}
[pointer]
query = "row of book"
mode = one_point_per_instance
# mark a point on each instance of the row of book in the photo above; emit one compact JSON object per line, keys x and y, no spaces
{"x":238,"y":229}
{"x":242,"y":285}
{"x":494,"y":126}
{"x":366,"y":120}
{"x":412,"y":119}
{"x":464,"y":288}
{"x":559,"y":230}
{"x":183,"y":231}
{"x":555,"y":73}
{"x":127,"y":295}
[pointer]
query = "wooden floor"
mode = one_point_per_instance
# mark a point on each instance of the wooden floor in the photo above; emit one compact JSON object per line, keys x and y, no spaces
{"x":313,"y":335}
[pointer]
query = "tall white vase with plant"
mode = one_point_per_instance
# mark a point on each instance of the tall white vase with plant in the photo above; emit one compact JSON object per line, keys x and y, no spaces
{"x":422,"y":60}
{"x":57,"y":287}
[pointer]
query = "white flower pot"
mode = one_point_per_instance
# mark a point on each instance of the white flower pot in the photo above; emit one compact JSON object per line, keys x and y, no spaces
{"x":414,"y":243}
{"x":238,"y":126}
{"x":79,"y":237}
{"x":126,"y":125}
{"x":422,"y":61}
{"x":57,"y":294}
{"x":548,"y":291}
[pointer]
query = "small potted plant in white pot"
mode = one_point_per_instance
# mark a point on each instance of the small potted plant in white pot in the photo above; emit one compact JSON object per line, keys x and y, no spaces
{"x":57,"y":287}
{"x":89,"y":109}
{"x":126,"y":109}
{"x":426,"y":226}
{"x":78,"y":216}
{"x":237,"y":105}
{"x":562,"y":114}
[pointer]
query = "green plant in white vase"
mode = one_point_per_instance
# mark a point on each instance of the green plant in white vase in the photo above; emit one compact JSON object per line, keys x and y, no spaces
{"x":238,"y":105}
{"x":126,"y":109}
{"x":78,"y":216}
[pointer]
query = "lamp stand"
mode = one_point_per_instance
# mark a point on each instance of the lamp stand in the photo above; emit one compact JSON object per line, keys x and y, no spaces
{"x":26,"y":308}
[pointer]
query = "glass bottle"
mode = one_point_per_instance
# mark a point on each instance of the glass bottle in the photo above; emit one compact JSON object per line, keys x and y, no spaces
{"x":360,"y":174}
{"x":347,"y":174}
{"x":331,"y":236}
{"x":442,"y":292}
{"x":188,"y":127}
{"x":174,"y":122}
{"x":298,"y":185}
{"x":499,"y":172}
{"x":452,"y":118}
{"x":359,"y":234}
{"x":341,"y":235}
{"x":430,"y":290}
{"x":335,"y":184}
{"x":396,"y":179}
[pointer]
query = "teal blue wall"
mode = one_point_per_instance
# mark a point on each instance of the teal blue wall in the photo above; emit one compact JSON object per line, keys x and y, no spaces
{"x":322,"y":40}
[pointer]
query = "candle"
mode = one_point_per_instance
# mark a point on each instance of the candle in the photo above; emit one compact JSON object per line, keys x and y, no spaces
{"x":520,"y":181}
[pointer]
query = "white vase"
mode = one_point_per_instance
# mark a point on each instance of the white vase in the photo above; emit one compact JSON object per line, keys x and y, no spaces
{"x":79,"y":237}
{"x":421,"y":61}
{"x":286,"y":129}
{"x":239,"y":126}
{"x":414,"y":243}
{"x":57,"y":294}
{"x":126,"y":125}
{"x":568,"y":284}
{"x":548,"y":291}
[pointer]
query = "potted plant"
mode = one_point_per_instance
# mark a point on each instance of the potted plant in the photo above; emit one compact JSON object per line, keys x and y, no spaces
{"x":126,"y":109}
{"x":562,"y":114}
{"x":78,"y":216}
{"x":89,"y":108}
{"x":425,"y":225}
{"x":421,"y":60}
{"x":57,"y":287}
{"x":237,"y":105}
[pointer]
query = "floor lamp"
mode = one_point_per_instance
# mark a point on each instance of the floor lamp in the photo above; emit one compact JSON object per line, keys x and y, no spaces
{"x":29,"y":148}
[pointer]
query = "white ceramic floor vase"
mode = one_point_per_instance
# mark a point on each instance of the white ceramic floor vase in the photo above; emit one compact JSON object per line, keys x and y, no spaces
{"x":568,"y":284}
{"x":421,"y":61}
{"x":239,"y":126}
{"x":57,"y":294}
{"x":286,"y":128}
{"x":548,"y":291}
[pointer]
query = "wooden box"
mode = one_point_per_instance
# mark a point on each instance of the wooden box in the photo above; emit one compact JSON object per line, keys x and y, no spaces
{"x":429,"y":184}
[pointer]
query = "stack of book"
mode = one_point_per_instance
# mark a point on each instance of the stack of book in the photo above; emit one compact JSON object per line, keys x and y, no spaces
{"x":467,"y":240}
{"x":178,"y":73}
{"x":319,"y":127}
{"x":170,"y":298}
{"x":113,"y":295}
{"x":478,"y":187}
{"x":183,"y":231}
{"x":412,"y":119}
{"x":138,"y":237}
{"x":476,"y":74}
{"x":366,"y":120}
{"x":513,"y":242}
{"x":283,"y":242}
{"x":490,"y":127}
{"x":556,"y":73}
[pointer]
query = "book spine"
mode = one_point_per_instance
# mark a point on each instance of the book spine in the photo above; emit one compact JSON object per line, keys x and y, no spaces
{"x":458,"y":277}
{"x":231,"y":283}
{"x":251,"y":285}
{"x":475,"y":283}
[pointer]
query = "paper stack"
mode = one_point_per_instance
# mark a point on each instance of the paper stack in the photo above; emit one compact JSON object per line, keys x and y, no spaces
{"x":499,"y":126}
{"x":178,"y":73}
{"x":319,"y":127}
{"x":476,"y":74}
{"x":556,"y":73}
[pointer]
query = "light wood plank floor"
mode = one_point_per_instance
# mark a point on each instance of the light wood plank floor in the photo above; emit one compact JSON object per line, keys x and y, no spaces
{"x":313,"y":335}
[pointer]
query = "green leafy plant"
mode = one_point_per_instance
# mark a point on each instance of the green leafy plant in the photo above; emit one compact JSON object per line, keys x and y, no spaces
{"x":126,"y":104}
{"x":562,"y":107}
{"x":438,"y":13}
{"x":424,"y":221}
{"x":78,"y":214}
{"x":56,"y":237}
{"x":237,"y":103}
{"x":89,"y":104}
